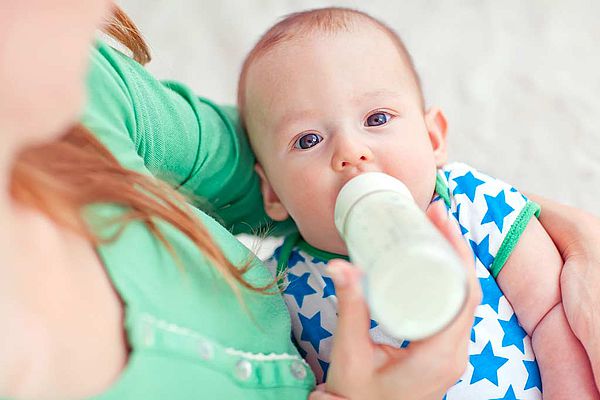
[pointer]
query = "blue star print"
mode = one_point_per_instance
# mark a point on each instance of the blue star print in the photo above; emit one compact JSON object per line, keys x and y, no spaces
{"x":374,"y":324}
{"x":513,"y":334}
{"x":509,"y":395}
{"x":533,"y":375}
{"x":467,"y":184}
{"x":482,"y":251}
{"x":299,"y":287}
{"x":295,"y":258}
{"x":302,"y":352}
{"x":324,"y":367}
{"x":277,"y":253}
{"x":477,"y":320}
{"x":514,"y":190}
{"x":491,"y":292}
{"x":312,"y":331}
{"x":316,"y":260}
{"x":329,"y":289}
{"x":497,"y":210}
{"x":456,"y":214}
{"x":486,"y":365}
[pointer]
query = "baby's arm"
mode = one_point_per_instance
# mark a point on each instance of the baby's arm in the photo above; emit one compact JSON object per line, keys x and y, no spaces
{"x":530,"y":281}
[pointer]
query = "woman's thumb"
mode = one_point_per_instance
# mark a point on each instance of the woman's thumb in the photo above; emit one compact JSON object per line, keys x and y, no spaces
{"x":352,"y":342}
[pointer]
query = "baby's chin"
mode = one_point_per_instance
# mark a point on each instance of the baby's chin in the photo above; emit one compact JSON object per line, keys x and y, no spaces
{"x":337,"y":248}
{"x":426,"y":195}
{"x":332,"y":243}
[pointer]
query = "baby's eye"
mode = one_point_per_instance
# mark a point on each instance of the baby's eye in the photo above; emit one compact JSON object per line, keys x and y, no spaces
{"x":307,"y":141}
{"x":378,"y":118}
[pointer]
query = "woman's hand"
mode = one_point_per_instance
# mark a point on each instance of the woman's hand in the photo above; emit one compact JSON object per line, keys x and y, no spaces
{"x":321,"y":394}
{"x":361,"y":369}
{"x":576,"y":234}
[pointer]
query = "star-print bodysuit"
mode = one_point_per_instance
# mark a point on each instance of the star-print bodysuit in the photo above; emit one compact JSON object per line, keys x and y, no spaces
{"x":492,"y":215}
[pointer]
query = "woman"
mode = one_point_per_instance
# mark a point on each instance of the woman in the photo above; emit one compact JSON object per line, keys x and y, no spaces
{"x":126,"y":292}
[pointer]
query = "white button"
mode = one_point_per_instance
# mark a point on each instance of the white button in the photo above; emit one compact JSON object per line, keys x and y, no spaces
{"x":298,"y":370}
{"x":205,"y":350}
{"x":243,"y":369}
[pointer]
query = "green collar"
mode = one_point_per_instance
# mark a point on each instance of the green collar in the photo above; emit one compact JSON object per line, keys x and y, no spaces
{"x":441,"y":188}
{"x":295,"y":240}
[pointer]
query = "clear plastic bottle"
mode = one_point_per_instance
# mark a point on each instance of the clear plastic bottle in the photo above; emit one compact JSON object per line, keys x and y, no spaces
{"x":414,"y":281}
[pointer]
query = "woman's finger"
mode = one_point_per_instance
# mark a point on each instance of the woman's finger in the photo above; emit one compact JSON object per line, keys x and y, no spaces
{"x":321,"y":395}
{"x":439,"y":217}
{"x":353,"y":322}
{"x":352,"y":351}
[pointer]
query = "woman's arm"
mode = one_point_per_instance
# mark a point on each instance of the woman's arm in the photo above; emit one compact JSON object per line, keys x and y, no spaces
{"x":576,"y":234}
{"x":163,"y":129}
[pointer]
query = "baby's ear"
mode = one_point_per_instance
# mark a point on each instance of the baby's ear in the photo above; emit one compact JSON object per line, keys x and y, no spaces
{"x":437,"y":126}
{"x":273,"y":206}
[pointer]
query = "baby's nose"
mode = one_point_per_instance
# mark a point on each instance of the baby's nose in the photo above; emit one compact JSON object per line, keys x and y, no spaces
{"x":351,"y":157}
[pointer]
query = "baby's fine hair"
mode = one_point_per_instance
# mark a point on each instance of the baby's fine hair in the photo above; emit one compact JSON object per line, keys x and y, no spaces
{"x":325,"y":20}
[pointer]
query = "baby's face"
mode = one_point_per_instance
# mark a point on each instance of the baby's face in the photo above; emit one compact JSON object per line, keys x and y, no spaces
{"x":323,"y":109}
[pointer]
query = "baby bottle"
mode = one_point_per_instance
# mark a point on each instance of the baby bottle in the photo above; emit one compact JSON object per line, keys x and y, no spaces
{"x":414,"y":281}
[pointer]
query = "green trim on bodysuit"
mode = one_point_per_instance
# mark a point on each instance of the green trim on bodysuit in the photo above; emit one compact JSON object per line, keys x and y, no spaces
{"x":513,"y":236}
{"x":442,"y":189}
{"x":294,"y":240}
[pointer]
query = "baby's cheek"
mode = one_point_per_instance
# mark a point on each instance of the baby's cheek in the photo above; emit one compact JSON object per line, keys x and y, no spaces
{"x":423,"y":186}
{"x":417,"y":171}
{"x":321,"y":233}
{"x":313,"y":210}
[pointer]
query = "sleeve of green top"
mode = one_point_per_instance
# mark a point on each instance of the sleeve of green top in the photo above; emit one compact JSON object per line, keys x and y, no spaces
{"x":163,"y":129}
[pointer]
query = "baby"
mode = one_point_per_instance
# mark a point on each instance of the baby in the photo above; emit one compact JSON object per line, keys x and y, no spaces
{"x":331,"y":93}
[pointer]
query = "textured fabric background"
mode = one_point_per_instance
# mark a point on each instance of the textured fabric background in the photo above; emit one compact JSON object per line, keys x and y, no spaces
{"x":519,"y":80}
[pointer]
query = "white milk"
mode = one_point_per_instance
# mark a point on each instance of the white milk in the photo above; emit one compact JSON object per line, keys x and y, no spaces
{"x":415,"y":283}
